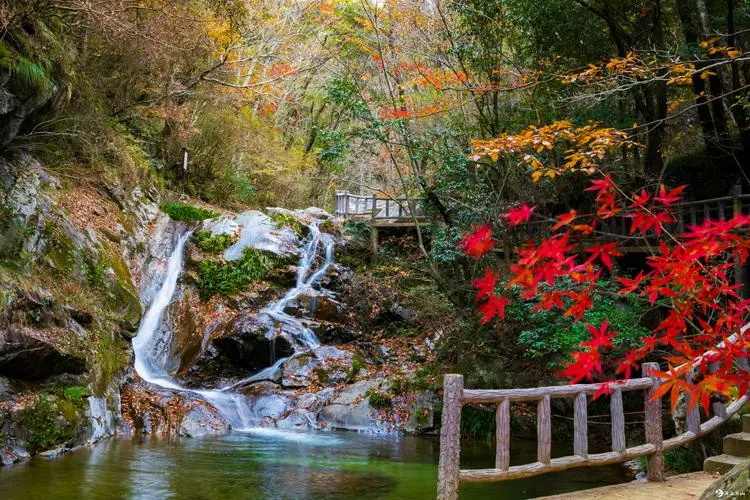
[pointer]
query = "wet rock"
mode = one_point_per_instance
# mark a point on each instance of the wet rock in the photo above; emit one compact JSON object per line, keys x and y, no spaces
{"x":259,"y":231}
{"x":314,"y":402}
{"x":317,"y":306}
{"x":297,"y":420}
{"x":151,"y":410}
{"x":11,"y":453}
{"x":334,"y":333}
{"x":202,"y":419}
{"x":325,"y":366}
{"x":32,"y":354}
{"x":423,"y":415}
{"x":250,"y":345}
{"x":267,"y":403}
{"x":351,"y":409}
{"x":55,"y":452}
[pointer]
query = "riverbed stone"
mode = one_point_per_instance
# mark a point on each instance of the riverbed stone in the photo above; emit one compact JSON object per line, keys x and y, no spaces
{"x":325,"y":365}
{"x":11,"y":453}
{"x":298,"y":419}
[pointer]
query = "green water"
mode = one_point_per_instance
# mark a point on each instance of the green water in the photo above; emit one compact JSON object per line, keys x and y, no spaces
{"x":277,"y":465}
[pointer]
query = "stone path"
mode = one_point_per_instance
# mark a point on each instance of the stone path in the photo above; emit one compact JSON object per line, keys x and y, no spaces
{"x":674,"y":488}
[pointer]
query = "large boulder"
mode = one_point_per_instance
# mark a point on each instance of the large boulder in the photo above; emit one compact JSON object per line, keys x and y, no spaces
{"x":259,"y":231}
{"x":324,"y":366}
{"x":318,"y":306}
{"x":734,"y":484}
{"x":351,"y":409}
{"x":36,"y":354}
{"x":252,"y":342}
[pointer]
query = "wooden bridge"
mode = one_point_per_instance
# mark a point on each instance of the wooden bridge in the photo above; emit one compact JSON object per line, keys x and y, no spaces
{"x":455,"y":396}
{"x":380,"y":210}
{"x":403,"y":211}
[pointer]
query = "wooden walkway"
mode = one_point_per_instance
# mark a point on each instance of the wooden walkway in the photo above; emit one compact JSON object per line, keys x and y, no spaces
{"x":673,"y":488}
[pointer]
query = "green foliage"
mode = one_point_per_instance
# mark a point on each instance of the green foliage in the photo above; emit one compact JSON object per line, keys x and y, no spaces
{"x":550,"y":337}
{"x":477,"y":422}
{"x":379,"y":399}
{"x":357,"y":364}
{"x":282,"y":219}
{"x":678,"y":459}
{"x":95,"y":272}
{"x":218,"y":277}
{"x":206,"y":241}
{"x":39,"y":421}
{"x":73,"y":393}
{"x":185,"y":212}
{"x":27,"y":77}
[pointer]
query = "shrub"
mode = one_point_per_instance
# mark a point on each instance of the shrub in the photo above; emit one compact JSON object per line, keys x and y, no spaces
{"x":282,"y":219}
{"x":549,"y":336}
{"x":185,"y":212}
{"x":228,"y":277}
{"x":212,"y":244}
{"x":72,"y":393}
{"x":379,"y":399}
{"x":39,"y":421}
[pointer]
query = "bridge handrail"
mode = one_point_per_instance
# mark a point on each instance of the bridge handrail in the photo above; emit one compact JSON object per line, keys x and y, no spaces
{"x":455,"y":396}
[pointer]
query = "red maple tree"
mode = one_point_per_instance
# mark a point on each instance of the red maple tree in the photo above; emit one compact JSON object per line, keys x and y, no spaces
{"x":689,"y":276}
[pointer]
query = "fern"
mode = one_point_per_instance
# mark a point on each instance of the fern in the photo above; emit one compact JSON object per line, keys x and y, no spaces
{"x":26,"y":76}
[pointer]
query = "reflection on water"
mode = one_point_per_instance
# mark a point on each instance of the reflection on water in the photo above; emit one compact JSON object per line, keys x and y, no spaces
{"x":270,"y":464}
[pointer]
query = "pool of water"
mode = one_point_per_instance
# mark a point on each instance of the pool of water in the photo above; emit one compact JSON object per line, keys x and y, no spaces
{"x":267,"y":464}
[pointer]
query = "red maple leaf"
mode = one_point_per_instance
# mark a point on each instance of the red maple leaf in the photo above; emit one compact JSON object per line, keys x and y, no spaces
{"x":599,"y":336}
{"x":667,"y":198}
{"x":493,"y":306}
{"x":604,"y":253}
{"x":485,"y":285}
{"x":565,"y":219}
{"x":478,"y":242}
{"x":519,"y":214}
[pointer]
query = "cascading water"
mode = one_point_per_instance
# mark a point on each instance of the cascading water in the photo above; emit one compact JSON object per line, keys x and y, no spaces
{"x":152,"y":340}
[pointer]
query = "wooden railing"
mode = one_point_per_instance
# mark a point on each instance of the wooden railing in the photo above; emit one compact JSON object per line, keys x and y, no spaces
{"x":358,"y":206}
{"x":687,"y":213}
{"x":455,"y":396}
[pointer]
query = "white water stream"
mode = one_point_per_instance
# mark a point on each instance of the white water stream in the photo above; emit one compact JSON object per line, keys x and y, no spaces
{"x":151,"y":344}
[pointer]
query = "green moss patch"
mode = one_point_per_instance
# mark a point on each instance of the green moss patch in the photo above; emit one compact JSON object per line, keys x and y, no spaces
{"x":282,"y":219}
{"x":218,"y":277}
{"x":379,"y":399}
{"x":206,"y":241}
{"x":185,"y":212}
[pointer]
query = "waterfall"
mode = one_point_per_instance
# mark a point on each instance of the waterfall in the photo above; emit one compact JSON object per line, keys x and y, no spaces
{"x":151,"y":343}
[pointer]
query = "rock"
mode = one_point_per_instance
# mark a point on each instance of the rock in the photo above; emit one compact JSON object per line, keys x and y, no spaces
{"x":202,"y":419}
{"x":252,"y":343}
{"x":297,"y":420}
{"x":270,"y":404}
{"x":351,"y":409}
{"x":221,"y":225}
{"x":734,"y":484}
{"x":314,"y":402}
{"x":33,"y":354}
{"x":423,"y":416}
{"x":55,"y":452}
{"x":318,"y":306}
{"x":6,"y":391}
{"x":325,"y":365}
{"x":259,"y":231}
{"x":13,"y":453}
{"x":334,"y":333}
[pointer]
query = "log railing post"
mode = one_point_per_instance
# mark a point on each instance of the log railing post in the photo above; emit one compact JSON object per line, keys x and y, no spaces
{"x":450,"y":438}
{"x":619,"y":443}
{"x":544,"y":430}
{"x":502,"y":435}
{"x":580,"y":426}
{"x":653,"y":425}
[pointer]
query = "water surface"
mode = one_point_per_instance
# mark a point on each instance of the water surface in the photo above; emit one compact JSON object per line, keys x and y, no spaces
{"x":269,"y":464}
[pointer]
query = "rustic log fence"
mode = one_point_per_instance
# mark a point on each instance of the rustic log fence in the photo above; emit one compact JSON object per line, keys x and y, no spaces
{"x":403,"y":209}
{"x":350,"y":205}
{"x":455,"y":396}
